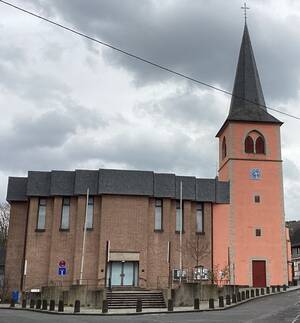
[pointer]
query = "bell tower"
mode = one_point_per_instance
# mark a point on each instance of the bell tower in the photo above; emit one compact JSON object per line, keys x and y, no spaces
{"x":250,"y":159}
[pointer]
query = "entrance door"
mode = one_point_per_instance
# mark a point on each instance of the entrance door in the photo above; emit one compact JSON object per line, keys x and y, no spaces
{"x":123,"y":273}
{"x":259,"y":273}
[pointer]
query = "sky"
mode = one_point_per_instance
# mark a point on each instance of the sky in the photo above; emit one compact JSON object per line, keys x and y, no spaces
{"x":68,"y":103}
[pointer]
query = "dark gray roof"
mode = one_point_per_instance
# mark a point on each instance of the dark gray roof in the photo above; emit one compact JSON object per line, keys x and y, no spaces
{"x":248,"y":103}
{"x":16,"y":189}
{"x":116,"y":182}
{"x":294,"y":229}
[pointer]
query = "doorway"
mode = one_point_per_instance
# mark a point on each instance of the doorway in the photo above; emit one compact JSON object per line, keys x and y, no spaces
{"x":123,"y":273}
{"x":259,"y":273}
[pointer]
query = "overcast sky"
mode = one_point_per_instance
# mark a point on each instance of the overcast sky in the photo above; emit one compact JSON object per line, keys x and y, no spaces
{"x":67,"y":103}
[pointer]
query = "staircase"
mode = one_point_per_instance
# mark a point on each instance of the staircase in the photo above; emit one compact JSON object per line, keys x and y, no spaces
{"x":128,"y":299}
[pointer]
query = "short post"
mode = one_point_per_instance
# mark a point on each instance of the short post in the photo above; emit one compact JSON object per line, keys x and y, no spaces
{"x":278,"y":288}
{"x":221,"y":301}
{"x":233,"y":299}
{"x":247,"y":294}
{"x":273,"y":289}
{"x":252,"y":292}
{"x":52,"y":305}
{"x":61,"y":306}
{"x":44,"y":305}
{"x":38,"y":304}
{"x":139,"y":305}
{"x":228,"y":301}
{"x":211,"y":303}
{"x":243,"y":295}
{"x":262,"y":291}
{"x":238,"y":297}
{"x":268,"y":290}
{"x":105,"y":306}
{"x":256,"y":292}
{"x":284,"y":288}
{"x":196,"y":304}
{"x":32,"y":303}
{"x":77,"y":306}
{"x":170,"y":305}
{"x":12,"y":302}
{"x":24,"y":303}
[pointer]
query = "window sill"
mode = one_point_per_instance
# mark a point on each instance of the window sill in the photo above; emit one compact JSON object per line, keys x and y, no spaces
{"x":40,"y":230}
{"x":89,"y":229}
{"x":200,"y":233}
{"x":178,"y":232}
{"x":158,"y":230}
{"x":64,"y":230}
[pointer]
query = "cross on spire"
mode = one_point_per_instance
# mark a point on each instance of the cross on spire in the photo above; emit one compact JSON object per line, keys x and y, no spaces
{"x":245,"y":8}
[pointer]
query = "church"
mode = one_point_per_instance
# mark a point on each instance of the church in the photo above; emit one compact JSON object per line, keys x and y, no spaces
{"x":140,"y":229}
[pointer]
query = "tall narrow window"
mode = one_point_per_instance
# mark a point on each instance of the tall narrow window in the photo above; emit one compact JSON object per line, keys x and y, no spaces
{"x":199,"y":218}
{"x":41,"y":220}
{"x":90,"y":213}
{"x":65,"y":214}
{"x":249,"y":145}
{"x":158,"y":215}
{"x":224,"y":148}
{"x":179,"y":220}
{"x":260,"y":145}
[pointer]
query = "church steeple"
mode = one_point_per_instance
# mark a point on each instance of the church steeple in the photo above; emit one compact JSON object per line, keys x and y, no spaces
{"x":248,"y":103}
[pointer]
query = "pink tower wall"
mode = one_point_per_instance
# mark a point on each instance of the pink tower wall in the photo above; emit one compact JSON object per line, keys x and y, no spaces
{"x":236,"y":223}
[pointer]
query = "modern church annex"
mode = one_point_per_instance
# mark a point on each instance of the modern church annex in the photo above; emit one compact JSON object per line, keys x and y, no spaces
{"x":149,"y":230}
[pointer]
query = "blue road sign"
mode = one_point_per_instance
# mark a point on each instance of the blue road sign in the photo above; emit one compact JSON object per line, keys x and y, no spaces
{"x":62,"y":271}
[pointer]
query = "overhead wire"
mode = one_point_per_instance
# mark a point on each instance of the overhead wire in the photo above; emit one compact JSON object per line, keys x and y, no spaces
{"x":144,"y":60}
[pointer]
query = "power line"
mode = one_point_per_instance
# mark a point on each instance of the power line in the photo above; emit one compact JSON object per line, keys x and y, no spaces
{"x":159,"y":66}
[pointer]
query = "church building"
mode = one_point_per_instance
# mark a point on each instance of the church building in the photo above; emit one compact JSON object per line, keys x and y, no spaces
{"x":153,"y":230}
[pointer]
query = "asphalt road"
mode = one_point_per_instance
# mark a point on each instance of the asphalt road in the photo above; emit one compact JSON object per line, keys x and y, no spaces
{"x":277,"y":308}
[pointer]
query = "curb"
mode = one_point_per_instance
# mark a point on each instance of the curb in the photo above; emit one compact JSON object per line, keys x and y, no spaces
{"x":151,"y":313}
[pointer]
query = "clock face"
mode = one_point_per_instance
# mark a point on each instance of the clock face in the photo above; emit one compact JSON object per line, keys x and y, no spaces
{"x":255,"y":173}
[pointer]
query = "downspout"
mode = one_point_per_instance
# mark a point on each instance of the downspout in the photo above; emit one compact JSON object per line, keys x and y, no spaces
{"x":24,"y":249}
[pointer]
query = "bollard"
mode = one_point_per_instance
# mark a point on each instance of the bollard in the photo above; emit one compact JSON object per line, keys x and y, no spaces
{"x":211,"y":303}
{"x":32,"y":303}
{"x":252,"y":292}
{"x":60,"y":306}
{"x":228,"y":302}
{"x":233,"y":298}
{"x":278,"y":288}
{"x":105,"y":306}
{"x":284,"y":288}
{"x":38,"y":304}
{"x":256,"y":292}
{"x":77,"y":306}
{"x":243,"y":295}
{"x":139,"y":305}
{"x":268,"y":290}
{"x":238,"y":297}
{"x":247,"y":294}
{"x":273,"y":289}
{"x":12,"y":302}
{"x":196,"y":304}
{"x":24,"y":303}
{"x":221,"y":301}
{"x":170,"y":305}
{"x":52,"y":305}
{"x":262,"y":291}
{"x":44,"y":305}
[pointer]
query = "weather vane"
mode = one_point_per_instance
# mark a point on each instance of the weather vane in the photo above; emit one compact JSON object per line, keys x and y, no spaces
{"x":245,"y":8}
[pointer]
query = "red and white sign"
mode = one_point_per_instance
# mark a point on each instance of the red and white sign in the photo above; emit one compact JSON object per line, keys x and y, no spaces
{"x":62,"y":263}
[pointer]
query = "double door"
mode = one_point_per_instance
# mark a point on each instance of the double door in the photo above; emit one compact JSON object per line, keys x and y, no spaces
{"x":123,"y":273}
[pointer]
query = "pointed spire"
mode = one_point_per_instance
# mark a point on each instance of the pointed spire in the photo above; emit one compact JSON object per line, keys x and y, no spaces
{"x":247,"y":86}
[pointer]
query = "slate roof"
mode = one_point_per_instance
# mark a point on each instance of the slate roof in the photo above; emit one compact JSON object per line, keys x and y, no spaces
{"x":294,"y":229}
{"x":116,"y":182}
{"x":247,"y":102}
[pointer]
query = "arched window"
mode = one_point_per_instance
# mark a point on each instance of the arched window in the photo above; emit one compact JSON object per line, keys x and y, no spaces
{"x":224,"y":148}
{"x":260,"y":145}
{"x":249,"y":145}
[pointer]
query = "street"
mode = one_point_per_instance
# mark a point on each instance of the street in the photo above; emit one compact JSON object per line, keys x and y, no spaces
{"x":276,"y":308}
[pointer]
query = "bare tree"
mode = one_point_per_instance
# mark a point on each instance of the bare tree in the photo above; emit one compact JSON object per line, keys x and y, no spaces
{"x":197,"y":249}
{"x":4,"y":221}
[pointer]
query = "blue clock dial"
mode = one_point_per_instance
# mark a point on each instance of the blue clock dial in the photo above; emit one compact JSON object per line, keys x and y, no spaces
{"x":255,"y":173}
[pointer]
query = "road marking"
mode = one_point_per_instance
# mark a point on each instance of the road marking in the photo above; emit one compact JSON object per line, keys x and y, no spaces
{"x":296,"y":318}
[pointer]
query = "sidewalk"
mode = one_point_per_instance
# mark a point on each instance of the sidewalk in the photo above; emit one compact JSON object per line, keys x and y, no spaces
{"x":204,"y":306}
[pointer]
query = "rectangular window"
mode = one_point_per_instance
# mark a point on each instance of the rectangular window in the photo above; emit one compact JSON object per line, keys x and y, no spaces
{"x":258,"y":232}
{"x":158,"y":215}
{"x":41,"y":220}
{"x":90,"y":213}
{"x":257,"y":199}
{"x":179,"y":220}
{"x":65,"y":214}
{"x":199,"y":218}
